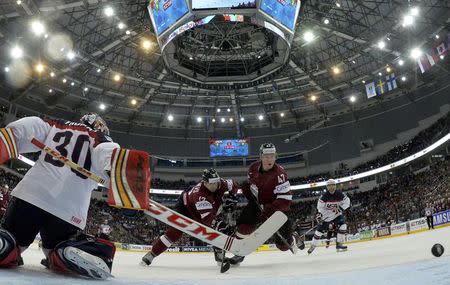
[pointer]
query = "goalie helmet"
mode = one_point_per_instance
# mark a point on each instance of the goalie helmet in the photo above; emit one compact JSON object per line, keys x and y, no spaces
{"x":210,"y":176}
{"x":94,"y":121}
{"x":267,"y":148}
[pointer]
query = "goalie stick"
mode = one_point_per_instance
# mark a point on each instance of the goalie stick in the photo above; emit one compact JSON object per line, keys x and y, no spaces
{"x":193,"y":228}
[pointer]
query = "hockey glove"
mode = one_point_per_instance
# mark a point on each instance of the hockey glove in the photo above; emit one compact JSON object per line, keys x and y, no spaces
{"x":319,"y":218}
{"x":229,"y":202}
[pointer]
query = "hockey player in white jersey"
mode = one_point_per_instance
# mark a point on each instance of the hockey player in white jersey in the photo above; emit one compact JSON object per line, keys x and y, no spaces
{"x":330,"y":208}
{"x":53,"y":199}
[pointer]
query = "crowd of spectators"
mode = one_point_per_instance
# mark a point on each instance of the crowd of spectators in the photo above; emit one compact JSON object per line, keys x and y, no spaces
{"x":419,"y":142}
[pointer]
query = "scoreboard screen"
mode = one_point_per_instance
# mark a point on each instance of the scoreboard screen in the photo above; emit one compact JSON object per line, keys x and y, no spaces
{"x":282,"y":11}
{"x":217,"y":4}
{"x":165,"y":13}
{"x":238,"y":147}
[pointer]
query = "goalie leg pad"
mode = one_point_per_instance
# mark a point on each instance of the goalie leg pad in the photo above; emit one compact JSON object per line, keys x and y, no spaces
{"x":9,"y":252}
{"x":130,"y":179}
{"x":8,"y":146}
{"x":88,"y":257}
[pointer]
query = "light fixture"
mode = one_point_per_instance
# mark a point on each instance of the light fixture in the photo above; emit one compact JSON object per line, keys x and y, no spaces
{"x":6,"y":68}
{"x":228,"y":110}
{"x":70,"y":55}
{"x":364,"y":82}
{"x":242,"y":119}
{"x":45,"y":36}
{"x":222,"y":120}
{"x":39,"y":67}
{"x":308,"y":36}
{"x":127,"y":32}
{"x":50,"y":90}
{"x":170,"y":117}
{"x":117,"y":77}
{"x":388,"y":69}
{"x":260,"y":117}
{"x":401,"y":62}
{"x":441,"y":56}
{"x":336,"y":70}
{"x":191,"y":58}
{"x":338,"y":4}
{"x":218,"y":110}
{"x":381,"y":44}
{"x":408,"y":20}
{"x":16,"y":52}
{"x":19,"y":2}
{"x":72,"y":83}
{"x":109,"y":11}
{"x":121,"y":25}
{"x":213,"y":120}
{"x":37,"y":27}
{"x":133,"y":102}
{"x":353,"y":61}
{"x":282,"y":115}
{"x":99,"y":70}
{"x":352,"y":99}
{"x":102,"y":106}
{"x":414,"y":11}
{"x":379,"y":73}
{"x":52,"y":74}
{"x":64,"y":80}
{"x":86,"y":89}
{"x":436,"y":36}
{"x":199,"y":119}
{"x":146,"y":44}
{"x":231,"y":119}
{"x":326,"y":21}
{"x":416,"y":53}
{"x":403,"y":78}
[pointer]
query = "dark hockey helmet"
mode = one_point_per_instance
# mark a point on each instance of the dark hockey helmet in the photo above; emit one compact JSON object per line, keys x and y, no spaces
{"x":267,"y":148}
{"x":95,"y":122}
{"x":210,"y":176}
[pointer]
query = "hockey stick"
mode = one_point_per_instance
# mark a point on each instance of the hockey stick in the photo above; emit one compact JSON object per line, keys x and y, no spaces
{"x":291,"y":247}
{"x":193,"y":228}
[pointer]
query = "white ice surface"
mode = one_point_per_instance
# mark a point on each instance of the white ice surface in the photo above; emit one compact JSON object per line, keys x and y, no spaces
{"x":399,"y":260}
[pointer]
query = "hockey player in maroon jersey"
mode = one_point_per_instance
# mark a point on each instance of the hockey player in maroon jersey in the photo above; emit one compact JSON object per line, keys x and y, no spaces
{"x":200,"y":203}
{"x":267,"y":188}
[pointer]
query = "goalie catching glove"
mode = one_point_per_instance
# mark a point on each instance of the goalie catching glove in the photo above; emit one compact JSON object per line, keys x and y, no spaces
{"x":130,"y":179}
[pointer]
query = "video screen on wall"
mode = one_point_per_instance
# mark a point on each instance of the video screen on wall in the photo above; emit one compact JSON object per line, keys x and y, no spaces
{"x":282,"y":11}
{"x":165,"y":13}
{"x":224,"y":148}
{"x":216,"y":4}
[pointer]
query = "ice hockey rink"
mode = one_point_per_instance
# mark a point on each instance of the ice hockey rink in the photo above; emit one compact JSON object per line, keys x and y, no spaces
{"x":398,"y":260}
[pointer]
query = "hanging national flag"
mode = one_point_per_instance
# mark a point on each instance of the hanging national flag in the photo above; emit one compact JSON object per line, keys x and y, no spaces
{"x":441,"y":49}
{"x":432,"y":57}
{"x":391,"y":82}
{"x":424,"y":64}
{"x":370,"y":90}
{"x":381,"y":87}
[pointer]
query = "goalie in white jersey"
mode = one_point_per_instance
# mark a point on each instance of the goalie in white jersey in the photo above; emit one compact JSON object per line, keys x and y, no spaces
{"x":330,"y":208}
{"x":53,"y":199}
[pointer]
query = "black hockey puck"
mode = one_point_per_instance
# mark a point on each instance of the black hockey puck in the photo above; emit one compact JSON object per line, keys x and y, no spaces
{"x":437,"y":249}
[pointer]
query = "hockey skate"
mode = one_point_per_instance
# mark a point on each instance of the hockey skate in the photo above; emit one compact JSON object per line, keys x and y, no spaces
{"x":327,"y":244}
{"x":340,"y":247}
{"x":235,"y":260}
{"x":299,"y":241}
{"x":311,"y":249}
{"x":94,"y":266}
{"x":147,"y":259}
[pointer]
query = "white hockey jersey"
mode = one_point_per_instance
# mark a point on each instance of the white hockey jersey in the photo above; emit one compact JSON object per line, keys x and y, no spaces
{"x":51,"y":185}
{"x":330,"y":205}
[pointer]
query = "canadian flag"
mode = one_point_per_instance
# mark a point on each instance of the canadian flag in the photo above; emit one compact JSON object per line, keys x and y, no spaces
{"x":441,"y":48}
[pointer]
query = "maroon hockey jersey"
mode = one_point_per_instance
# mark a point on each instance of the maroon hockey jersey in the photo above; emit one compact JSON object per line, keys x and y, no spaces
{"x":272,"y":188}
{"x":202,"y":204}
